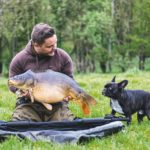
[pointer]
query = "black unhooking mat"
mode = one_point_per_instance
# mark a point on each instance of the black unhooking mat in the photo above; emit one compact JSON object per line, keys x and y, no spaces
{"x":61,"y":131}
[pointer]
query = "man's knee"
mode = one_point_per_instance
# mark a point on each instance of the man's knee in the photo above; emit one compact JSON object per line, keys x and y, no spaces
{"x":25,"y":112}
{"x":63,"y":113}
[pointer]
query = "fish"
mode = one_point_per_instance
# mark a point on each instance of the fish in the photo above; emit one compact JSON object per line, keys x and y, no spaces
{"x":48,"y":87}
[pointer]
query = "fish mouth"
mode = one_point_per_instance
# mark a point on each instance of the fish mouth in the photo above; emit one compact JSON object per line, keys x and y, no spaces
{"x":13,"y":82}
{"x":104,"y":92}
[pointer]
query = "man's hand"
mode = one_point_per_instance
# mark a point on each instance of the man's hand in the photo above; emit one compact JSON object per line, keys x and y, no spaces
{"x":21,"y":93}
{"x":67,"y":98}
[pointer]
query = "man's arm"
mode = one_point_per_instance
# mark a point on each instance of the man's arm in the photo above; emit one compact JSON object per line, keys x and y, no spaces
{"x":15,"y":69}
{"x":67,"y":69}
{"x":67,"y":66}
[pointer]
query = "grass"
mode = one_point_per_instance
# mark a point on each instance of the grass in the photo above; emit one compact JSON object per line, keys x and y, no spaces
{"x":135,"y":136}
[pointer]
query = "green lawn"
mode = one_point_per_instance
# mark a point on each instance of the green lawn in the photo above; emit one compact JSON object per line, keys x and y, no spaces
{"x":135,"y":136}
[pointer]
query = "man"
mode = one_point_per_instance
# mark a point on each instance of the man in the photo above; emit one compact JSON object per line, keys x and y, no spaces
{"x":41,"y":53}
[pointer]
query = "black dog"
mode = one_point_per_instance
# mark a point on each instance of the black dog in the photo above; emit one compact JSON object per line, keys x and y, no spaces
{"x":127,"y":102}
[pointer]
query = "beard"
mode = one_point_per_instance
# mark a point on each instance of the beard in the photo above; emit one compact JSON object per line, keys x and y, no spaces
{"x":51,"y":53}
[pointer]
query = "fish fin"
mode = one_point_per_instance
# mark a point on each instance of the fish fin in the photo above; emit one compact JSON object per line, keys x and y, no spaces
{"x":48,"y":106}
{"x":90,"y":100}
{"x":85,"y":108}
{"x":31,"y":95}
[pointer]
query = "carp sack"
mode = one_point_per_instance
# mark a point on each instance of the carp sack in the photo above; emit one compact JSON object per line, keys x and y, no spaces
{"x":51,"y":87}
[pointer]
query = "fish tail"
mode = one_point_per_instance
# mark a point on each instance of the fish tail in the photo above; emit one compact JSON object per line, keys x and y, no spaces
{"x":90,"y":100}
{"x":85,"y":108}
{"x":85,"y":102}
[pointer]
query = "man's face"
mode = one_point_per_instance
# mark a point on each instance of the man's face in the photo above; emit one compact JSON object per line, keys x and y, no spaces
{"x":48,"y":47}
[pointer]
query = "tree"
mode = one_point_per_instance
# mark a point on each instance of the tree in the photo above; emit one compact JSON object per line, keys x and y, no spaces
{"x":17,"y":20}
{"x":141,"y":32}
{"x":123,"y":13}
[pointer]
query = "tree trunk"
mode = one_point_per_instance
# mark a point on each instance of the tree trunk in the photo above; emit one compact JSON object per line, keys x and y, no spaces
{"x":1,"y":64}
{"x":141,"y":62}
{"x":103,"y":66}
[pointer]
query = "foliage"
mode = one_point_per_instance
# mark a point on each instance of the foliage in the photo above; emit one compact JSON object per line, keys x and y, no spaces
{"x":18,"y":18}
{"x":94,"y":33}
{"x":140,"y":35}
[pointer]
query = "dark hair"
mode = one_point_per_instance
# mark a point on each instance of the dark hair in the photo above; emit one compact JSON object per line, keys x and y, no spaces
{"x":41,"y":32}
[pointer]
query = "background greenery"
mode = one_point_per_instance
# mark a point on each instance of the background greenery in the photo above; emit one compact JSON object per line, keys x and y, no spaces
{"x":135,"y":136}
{"x":108,"y":36}
{"x":100,"y":36}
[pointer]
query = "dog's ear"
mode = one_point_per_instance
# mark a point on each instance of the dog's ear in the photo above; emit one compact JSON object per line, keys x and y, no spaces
{"x":113,"y":80}
{"x":123,"y":84}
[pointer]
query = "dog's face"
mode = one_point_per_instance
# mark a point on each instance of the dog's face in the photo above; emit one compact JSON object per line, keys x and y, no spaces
{"x":113,"y":90}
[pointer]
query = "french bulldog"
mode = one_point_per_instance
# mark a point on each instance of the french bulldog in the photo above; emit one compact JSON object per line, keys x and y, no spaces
{"x":127,"y":102}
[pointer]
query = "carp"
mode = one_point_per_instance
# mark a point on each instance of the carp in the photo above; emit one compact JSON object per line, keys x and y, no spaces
{"x":49,"y":87}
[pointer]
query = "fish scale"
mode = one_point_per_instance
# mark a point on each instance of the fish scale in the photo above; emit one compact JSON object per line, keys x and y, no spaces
{"x":51,"y":87}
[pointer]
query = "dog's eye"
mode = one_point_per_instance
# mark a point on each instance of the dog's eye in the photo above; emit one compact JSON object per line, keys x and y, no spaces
{"x":110,"y":88}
